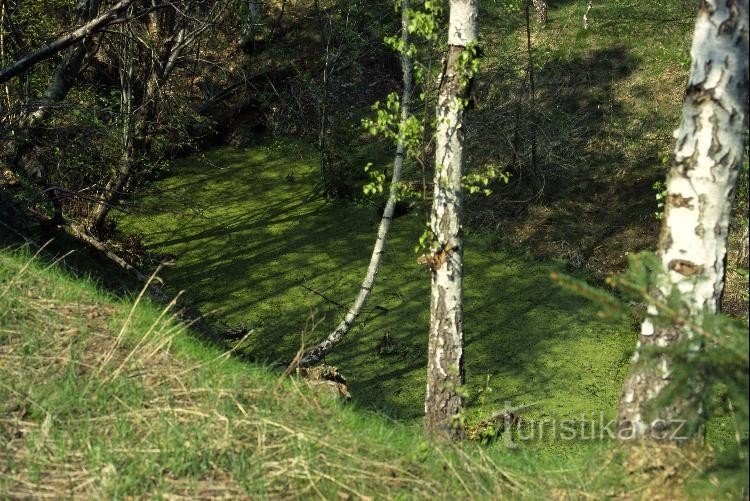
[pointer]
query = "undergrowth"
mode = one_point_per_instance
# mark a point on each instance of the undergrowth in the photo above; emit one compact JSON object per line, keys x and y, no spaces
{"x":265,"y":253}
{"x":111,"y":397}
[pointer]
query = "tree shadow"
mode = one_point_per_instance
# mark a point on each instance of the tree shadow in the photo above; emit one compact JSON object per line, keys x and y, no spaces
{"x":580,"y":198}
{"x":252,"y":243}
{"x":250,"y":248}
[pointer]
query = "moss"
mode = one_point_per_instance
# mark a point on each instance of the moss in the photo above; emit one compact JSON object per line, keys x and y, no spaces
{"x":254,"y":241}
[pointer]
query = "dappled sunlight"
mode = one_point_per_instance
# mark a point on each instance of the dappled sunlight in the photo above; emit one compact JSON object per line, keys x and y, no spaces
{"x":255,"y":244}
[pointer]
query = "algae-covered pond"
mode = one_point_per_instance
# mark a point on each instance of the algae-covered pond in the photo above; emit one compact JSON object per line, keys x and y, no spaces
{"x":257,"y":247}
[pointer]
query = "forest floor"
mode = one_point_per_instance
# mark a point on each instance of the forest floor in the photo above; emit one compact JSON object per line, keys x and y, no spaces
{"x":101,"y":394}
{"x":255,"y":246}
{"x":105,"y":396}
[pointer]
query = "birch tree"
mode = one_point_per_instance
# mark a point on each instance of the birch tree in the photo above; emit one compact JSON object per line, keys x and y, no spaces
{"x":445,"y":371}
{"x":693,"y":242}
{"x":316,"y":354}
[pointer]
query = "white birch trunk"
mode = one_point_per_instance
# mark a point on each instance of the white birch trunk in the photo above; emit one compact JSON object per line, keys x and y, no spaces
{"x":700,"y":189}
{"x":316,"y":353}
{"x":589,"y":5}
{"x":541,"y":11}
{"x":443,"y":401}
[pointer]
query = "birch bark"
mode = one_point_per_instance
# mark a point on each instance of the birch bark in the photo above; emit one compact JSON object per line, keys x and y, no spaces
{"x":316,"y":354}
{"x":700,"y":189}
{"x":445,"y":371}
{"x":541,"y":10}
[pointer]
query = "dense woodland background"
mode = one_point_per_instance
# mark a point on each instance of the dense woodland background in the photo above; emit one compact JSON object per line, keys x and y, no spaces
{"x":222,"y":143}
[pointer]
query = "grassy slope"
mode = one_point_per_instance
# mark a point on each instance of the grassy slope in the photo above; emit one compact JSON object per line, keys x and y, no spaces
{"x":250,"y":236}
{"x":247,"y":238}
{"x":100,"y":397}
{"x":86,"y":412}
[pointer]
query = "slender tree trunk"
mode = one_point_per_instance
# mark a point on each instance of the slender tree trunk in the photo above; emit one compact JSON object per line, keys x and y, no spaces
{"x":62,"y":82}
{"x":2,"y":53}
{"x":324,"y":156}
{"x":117,"y":182}
{"x":134,"y":146}
{"x":316,"y":354}
{"x":30,"y":121}
{"x":171,"y":44}
{"x":589,"y":5}
{"x":532,"y":95}
{"x":700,"y":189}
{"x":445,"y":371}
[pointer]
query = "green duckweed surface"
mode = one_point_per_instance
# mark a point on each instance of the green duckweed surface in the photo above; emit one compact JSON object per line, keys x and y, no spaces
{"x":257,"y":247}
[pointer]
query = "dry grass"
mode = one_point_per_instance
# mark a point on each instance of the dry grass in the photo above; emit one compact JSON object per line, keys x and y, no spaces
{"x":104,"y":398}
{"x":98,"y":404}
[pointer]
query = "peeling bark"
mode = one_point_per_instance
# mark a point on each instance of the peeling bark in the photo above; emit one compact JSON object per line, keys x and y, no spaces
{"x":315,"y":355}
{"x":445,"y":368}
{"x":700,"y":190}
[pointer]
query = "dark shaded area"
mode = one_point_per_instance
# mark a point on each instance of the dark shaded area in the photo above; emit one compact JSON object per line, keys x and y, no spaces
{"x":582,"y":200}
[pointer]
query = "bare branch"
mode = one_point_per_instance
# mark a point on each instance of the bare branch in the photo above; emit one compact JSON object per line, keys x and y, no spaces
{"x":65,"y":41}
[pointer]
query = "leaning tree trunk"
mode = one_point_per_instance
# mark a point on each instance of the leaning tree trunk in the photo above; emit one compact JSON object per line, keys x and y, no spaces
{"x":95,"y":25}
{"x":700,"y":189}
{"x":589,"y":5}
{"x":31,"y":121}
{"x":445,"y":371}
{"x":316,"y":354}
{"x":63,"y":79}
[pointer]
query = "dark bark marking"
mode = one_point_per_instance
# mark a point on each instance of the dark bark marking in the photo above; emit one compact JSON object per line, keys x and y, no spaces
{"x":685,"y":267}
{"x":665,"y":238}
{"x":678,"y":201}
